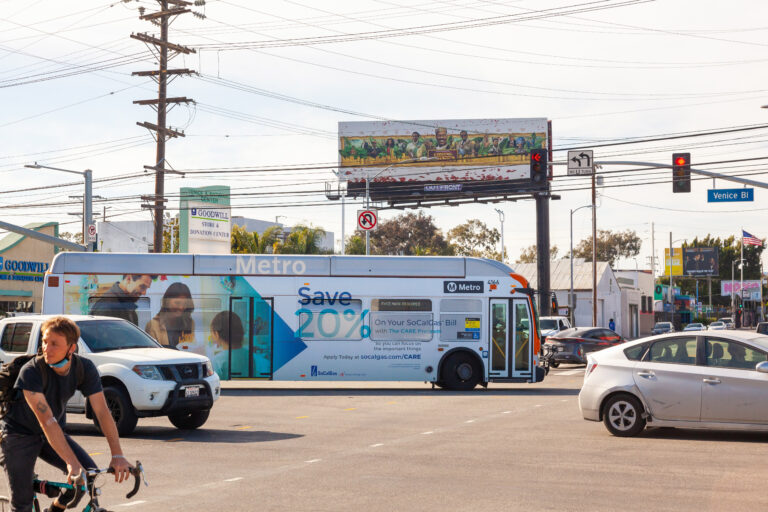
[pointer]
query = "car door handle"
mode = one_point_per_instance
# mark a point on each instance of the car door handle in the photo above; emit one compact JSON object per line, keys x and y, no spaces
{"x":646,"y":374}
{"x":711,"y":381}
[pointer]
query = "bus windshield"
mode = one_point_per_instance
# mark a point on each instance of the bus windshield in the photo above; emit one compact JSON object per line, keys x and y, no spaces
{"x":104,"y":335}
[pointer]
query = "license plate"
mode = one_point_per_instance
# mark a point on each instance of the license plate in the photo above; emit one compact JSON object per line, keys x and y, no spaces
{"x":189,"y":392}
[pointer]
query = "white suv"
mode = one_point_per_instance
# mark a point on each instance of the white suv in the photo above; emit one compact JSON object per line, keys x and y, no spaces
{"x":140,"y":378}
{"x":551,"y":325}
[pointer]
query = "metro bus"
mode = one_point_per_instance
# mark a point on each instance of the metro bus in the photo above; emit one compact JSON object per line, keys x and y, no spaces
{"x":452,"y":321}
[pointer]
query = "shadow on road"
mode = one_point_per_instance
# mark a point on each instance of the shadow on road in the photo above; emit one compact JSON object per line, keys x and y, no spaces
{"x":352,"y":392}
{"x":681,"y":434}
{"x":237,"y":434}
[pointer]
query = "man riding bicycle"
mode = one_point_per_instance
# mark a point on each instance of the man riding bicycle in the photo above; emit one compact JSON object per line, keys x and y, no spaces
{"x":32,"y":426}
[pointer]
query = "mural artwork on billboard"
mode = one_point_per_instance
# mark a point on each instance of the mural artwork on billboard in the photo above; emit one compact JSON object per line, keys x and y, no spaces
{"x":445,"y":156}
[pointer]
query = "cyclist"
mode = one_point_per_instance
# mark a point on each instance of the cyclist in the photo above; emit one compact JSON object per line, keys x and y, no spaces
{"x":32,"y":427}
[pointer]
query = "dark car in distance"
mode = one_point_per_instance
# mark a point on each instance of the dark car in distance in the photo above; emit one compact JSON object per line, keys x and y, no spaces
{"x":762,"y":328}
{"x":573,"y":345}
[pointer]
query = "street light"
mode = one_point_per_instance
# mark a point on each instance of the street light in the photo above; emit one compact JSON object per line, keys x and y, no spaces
{"x":87,"y":199}
{"x":733,"y":285}
{"x":571,"y":298}
{"x":501,"y":218}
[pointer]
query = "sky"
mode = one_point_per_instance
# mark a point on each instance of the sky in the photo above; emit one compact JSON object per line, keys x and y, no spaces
{"x":276,"y":78}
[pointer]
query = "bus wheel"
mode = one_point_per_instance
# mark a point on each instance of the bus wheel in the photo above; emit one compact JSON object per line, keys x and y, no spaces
{"x":461,"y":372}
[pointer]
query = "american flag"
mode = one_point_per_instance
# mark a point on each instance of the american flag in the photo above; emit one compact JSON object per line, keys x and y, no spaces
{"x":748,"y":239}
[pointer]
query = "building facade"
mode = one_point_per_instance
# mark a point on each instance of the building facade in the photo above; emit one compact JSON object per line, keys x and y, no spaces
{"x":23,"y":263}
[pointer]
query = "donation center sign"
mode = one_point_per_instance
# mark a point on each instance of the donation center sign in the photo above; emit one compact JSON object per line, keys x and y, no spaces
{"x":205,"y":226}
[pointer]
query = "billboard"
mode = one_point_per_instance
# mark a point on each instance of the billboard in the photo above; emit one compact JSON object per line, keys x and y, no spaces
{"x":453,"y":158}
{"x":701,"y":261}
{"x":205,"y":225}
{"x":750,"y":291}
{"x":677,"y":261}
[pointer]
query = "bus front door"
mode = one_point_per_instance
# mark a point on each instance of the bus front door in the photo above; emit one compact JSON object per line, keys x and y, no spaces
{"x":248,"y":351}
{"x":510,"y":348}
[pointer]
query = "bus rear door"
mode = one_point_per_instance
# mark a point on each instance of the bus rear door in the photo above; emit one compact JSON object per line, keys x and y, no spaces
{"x":252,"y":358}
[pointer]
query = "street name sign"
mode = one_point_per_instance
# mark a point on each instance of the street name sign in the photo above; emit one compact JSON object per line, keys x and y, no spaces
{"x":580,"y":162}
{"x":730,"y":195}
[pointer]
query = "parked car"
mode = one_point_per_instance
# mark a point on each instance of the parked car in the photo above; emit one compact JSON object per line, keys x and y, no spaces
{"x":717,"y":326}
{"x":717,"y":380}
{"x":551,"y":325}
{"x":762,"y":328}
{"x":140,"y":378}
{"x":572,"y":345}
{"x":662,"y":327}
{"x":695,"y":327}
{"x":728,"y":321}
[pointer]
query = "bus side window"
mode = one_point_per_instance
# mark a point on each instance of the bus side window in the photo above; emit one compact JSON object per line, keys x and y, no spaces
{"x":461,"y":320}
{"x":404,"y":319}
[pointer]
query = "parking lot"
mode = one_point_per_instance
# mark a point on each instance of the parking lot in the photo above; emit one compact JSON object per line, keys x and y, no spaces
{"x":404,"y":446}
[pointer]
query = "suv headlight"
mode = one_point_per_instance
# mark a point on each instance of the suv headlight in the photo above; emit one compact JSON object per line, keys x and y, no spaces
{"x":148,"y":371}
{"x":207,"y":369}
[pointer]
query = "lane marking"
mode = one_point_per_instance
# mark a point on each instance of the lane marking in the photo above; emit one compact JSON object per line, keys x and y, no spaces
{"x":132,"y":503}
{"x":301,"y":417}
{"x":351,"y":409}
{"x":377,"y":445}
{"x":391,"y":403}
{"x":570,"y":372}
{"x":564,"y":400}
{"x":175,"y":439}
{"x":506,"y":412}
{"x":469,"y":421}
{"x":427,"y":433}
{"x":95,"y":453}
{"x":234,"y":479}
{"x":538,"y":405}
{"x":312,"y":461}
{"x":244,"y":427}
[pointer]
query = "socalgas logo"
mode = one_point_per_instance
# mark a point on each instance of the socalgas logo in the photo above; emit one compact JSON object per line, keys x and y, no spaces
{"x":35,"y":267}
{"x":463,"y":286}
{"x":321,"y":373}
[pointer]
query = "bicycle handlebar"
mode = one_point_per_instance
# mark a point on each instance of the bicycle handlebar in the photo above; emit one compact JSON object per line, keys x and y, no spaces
{"x":138,"y":474}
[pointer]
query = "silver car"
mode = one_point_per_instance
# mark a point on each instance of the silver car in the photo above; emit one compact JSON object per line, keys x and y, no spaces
{"x":715,"y":380}
{"x":695,"y":327}
{"x":717,"y":326}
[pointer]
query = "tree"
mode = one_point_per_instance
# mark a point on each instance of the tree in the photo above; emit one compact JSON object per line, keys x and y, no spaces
{"x":76,"y":238}
{"x":407,"y":234}
{"x":245,"y":242}
{"x":355,"y":244}
{"x":473,"y":238}
{"x":167,"y":236}
{"x":303,"y":240}
{"x":610,"y":246}
{"x":529,"y":254}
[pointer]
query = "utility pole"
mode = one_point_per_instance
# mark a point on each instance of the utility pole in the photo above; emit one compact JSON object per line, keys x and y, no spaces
{"x":594,"y":248}
{"x":169,"y":10}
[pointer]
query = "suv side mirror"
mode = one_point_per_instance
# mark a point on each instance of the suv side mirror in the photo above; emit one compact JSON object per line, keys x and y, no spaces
{"x":762,"y":367}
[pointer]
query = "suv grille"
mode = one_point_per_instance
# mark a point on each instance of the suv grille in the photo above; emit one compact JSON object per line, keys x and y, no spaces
{"x":180,"y":372}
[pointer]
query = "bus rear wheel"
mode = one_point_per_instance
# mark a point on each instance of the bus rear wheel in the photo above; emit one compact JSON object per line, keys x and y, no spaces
{"x":461,"y":372}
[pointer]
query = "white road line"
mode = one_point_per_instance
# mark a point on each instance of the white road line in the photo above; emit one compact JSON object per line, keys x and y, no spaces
{"x":469,"y":421}
{"x":570,"y":372}
{"x":377,"y":445}
{"x":538,"y":405}
{"x":564,"y":400}
{"x":312,"y":461}
{"x":427,"y":432}
{"x":233,"y":479}
{"x":132,"y":503}
{"x":506,"y":412}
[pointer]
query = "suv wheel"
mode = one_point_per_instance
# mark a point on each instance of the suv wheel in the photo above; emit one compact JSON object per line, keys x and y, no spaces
{"x":121,"y":409}
{"x":189,"y":420}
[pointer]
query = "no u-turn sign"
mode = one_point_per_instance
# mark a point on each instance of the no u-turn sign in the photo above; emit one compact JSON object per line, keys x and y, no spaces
{"x":367,"y":220}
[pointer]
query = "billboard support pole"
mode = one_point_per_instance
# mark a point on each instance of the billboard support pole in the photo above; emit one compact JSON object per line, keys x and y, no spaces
{"x":367,"y":206}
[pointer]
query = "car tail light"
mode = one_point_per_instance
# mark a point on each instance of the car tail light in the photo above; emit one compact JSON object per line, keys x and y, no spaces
{"x":581,"y":351}
{"x":591,"y":368}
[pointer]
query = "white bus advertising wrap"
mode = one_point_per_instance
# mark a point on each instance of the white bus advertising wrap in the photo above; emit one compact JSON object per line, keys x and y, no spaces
{"x":456,"y":322}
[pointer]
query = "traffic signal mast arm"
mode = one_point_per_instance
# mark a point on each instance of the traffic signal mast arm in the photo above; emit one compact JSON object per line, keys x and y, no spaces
{"x":710,"y":174}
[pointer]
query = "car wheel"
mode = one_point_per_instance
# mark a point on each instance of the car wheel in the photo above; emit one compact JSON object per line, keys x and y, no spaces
{"x":189,"y":420}
{"x":120,"y":407}
{"x":460,"y":372}
{"x":623,"y":416}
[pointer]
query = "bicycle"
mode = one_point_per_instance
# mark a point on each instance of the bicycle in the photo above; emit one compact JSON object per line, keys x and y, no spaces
{"x":55,"y":489}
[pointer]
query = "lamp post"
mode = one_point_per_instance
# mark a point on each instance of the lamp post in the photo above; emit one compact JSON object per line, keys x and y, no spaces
{"x":733,"y":285}
{"x":571,"y":298}
{"x":87,"y":199}
{"x":501,"y":218}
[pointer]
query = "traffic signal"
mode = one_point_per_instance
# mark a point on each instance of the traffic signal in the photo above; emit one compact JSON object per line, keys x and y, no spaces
{"x":681,"y":172}
{"x":539,"y":166}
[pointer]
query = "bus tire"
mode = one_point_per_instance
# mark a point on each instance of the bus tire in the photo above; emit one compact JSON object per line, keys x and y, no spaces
{"x":121,"y":408}
{"x":189,"y":420}
{"x":460,"y":372}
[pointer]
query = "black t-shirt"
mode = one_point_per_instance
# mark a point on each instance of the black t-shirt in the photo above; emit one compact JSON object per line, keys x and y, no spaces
{"x":59,"y":389}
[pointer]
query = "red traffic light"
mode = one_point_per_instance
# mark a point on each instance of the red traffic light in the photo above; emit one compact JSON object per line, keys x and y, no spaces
{"x":681,"y":160}
{"x":536,"y":157}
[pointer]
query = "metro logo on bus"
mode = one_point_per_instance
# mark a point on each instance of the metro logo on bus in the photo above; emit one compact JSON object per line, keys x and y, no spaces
{"x":463,"y":286}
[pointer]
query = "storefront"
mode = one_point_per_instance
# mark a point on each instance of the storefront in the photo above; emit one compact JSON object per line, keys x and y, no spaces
{"x":23,"y":262}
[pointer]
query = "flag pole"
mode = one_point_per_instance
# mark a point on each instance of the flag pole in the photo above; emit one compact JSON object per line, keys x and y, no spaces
{"x":741,"y":272}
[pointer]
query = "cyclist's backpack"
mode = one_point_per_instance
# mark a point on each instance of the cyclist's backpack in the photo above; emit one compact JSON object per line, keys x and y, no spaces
{"x":9,"y":372}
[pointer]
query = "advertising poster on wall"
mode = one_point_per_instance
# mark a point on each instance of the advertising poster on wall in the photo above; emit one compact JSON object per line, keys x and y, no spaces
{"x":750,"y":291}
{"x":450,"y":157}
